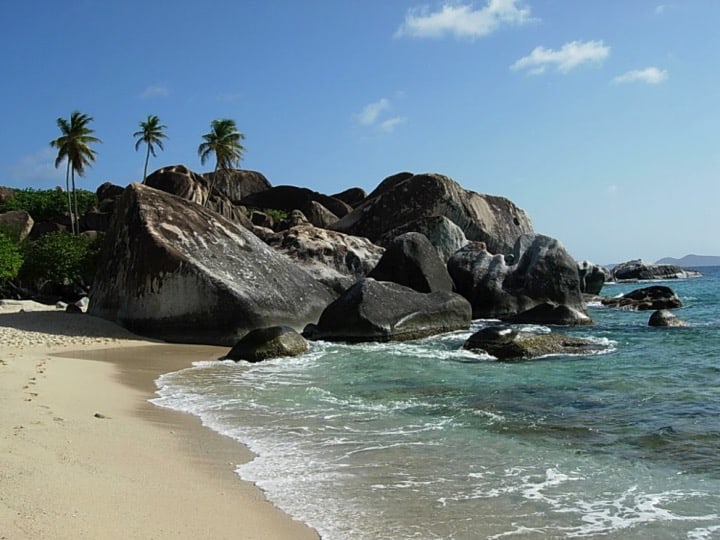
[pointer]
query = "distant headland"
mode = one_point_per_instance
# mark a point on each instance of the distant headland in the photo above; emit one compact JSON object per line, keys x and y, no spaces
{"x":692,"y":261}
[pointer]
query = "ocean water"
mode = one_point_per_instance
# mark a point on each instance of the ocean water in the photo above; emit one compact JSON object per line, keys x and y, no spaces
{"x":425,"y":440}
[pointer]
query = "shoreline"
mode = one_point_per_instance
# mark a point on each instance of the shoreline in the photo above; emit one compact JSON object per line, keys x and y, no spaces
{"x":86,"y":455}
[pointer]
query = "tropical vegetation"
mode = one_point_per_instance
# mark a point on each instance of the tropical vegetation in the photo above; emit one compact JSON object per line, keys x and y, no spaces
{"x":223,"y":140}
{"x":151,"y":134}
{"x":73,"y":147}
{"x":11,"y":258}
{"x":46,"y":204}
{"x":60,"y":257}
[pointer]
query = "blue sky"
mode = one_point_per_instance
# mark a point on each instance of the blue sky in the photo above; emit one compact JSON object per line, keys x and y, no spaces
{"x":600,"y":118}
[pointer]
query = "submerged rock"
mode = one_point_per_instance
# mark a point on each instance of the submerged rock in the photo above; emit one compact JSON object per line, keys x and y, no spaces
{"x":266,"y":343}
{"x":647,"y":298}
{"x":529,"y":346}
{"x":663,"y":317}
{"x":175,"y":271}
{"x":384,"y":311}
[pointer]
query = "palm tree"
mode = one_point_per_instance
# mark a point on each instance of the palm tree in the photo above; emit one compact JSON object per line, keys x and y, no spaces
{"x":74,"y":147}
{"x":151,"y":133}
{"x":223,"y":141}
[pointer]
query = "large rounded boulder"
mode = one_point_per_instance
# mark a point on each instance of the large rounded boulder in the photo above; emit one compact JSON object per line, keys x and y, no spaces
{"x":175,"y":271}
{"x":407,"y":197}
{"x":383,"y":311}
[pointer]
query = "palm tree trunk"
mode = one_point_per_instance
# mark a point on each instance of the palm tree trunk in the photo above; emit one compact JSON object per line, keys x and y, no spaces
{"x":147,"y":158}
{"x":77,"y":213}
{"x":69,"y":197}
{"x":210,"y":187}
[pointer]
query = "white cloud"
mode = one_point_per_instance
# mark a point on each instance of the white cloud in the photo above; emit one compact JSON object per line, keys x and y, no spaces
{"x":155,"y":90}
{"x":370,"y":113}
{"x":659,"y":10}
{"x":649,"y":75}
{"x":568,"y":57}
{"x":389,"y":125}
{"x":462,"y":20}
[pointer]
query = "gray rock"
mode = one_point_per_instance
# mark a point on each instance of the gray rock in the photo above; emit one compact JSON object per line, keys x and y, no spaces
{"x":383,"y":311}
{"x":288,"y":198}
{"x":320,"y":216}
{"x":543,"y":273}
{"x":266,"y":343}
{"x":443,"y":234}
{"x":525,"y":347}
{"x":405,"y":198}
{"x":645,"y":299}
{"x":663,"y":317}
{"x":637,"y":269}
{"x":17,"y":224}
{"x":353,"y":197}
{"x":592,"y":277}
{"x":492,"y":336}
{"x":236,"y":184}
{"x":335,"y":259}
{"x":411,"y":260}
{"x":549,"y":313}
{"x":175,"y":271}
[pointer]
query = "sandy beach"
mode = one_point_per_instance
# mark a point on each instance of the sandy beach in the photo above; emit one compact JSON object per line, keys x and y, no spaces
{"x":84,"y":455}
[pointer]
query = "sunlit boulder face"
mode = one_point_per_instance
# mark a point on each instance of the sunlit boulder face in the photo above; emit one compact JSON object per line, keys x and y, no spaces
{"x":539,"y":284}
{"x":174,"y":271}
{"x":407,"y":197}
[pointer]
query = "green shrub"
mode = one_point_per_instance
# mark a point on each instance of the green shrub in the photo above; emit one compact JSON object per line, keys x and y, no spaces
{"x":10,"y":258}
{"x":46,"y":204}
{"x":61,"y":257}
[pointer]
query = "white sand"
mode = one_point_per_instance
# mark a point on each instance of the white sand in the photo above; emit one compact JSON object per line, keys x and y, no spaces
{"x":84,"y":455}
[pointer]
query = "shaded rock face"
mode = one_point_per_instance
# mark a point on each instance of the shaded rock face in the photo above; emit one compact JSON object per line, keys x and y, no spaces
{"x":236,"y":184}
{"x":288,"y":198}
{"x":353,"y":197}
{"x":411,"y":260}
{"x":266,"y":343}
{"x":547,"y":313}
{"x":17,"y":224}
{"x":320,"y":216}
{"x":523,"y":347}
{"x":665,"y":318}
{"x":181,"y":181}
{"x":592,"y":277}
{"x":174,"y":271}
{"x":443,"y":234}
{"x":641,"y":270}
{"x":544,"y":273}
{"x":382,"y":311}
{"x":647,"y":298}
{"x":404,"y":198}
{"x":335,"y":259}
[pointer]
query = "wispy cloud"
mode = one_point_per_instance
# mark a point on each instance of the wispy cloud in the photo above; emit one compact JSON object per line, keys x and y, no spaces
{"x":370,"y":113}
{"x":373,"y":115}
{"x":660,"y":9}
{"x":649,"y":75}
{"x":568,"y":57}
{"x":155,"y":90}
{"x":389,"y":125}
{"x":463,"y":21}
{"x":36,"y":169}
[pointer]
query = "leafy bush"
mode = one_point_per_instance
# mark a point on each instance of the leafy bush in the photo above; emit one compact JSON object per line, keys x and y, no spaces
{"x":10,"y":258}
{"x":46,"y":204}
{"x":61,"y":257}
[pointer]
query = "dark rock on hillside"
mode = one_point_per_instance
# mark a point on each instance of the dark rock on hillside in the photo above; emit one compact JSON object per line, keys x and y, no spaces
{"x":266,"y":343}
{"x":664,"y":318}
{"x":543,"y":273}
{"x":175,"y":271}
{"x":335,"y":259}
{"x":523,"y":347}
{"x":95,"y":221}
{"x":181,"y":181}
{"x":289,"y":198}
{"x":592,"y":277}
{"x":382,"y":311}
{"x":353,"y":197}
{"x":641,"y":270}
{"x":108,"y":190}
{"x":442,"y":233}
{"x":17,"y":224}
{"x":45,"y":227}
{"x":404,"y":198}
{"x":647,"y":298}
{"x":320,"y":216}
{"x":411,"y":260}
{"x":236,"y":184}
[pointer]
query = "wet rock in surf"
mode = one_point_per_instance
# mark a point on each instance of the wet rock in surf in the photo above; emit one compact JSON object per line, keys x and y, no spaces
{"x":645,"y":299}
{"x":266,"y":343}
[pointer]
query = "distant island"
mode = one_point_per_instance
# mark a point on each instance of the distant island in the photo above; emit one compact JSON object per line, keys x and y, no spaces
{"x":692,"y":261}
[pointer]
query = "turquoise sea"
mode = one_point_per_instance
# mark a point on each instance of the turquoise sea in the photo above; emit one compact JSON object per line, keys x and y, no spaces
{"x":426,"y":440}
